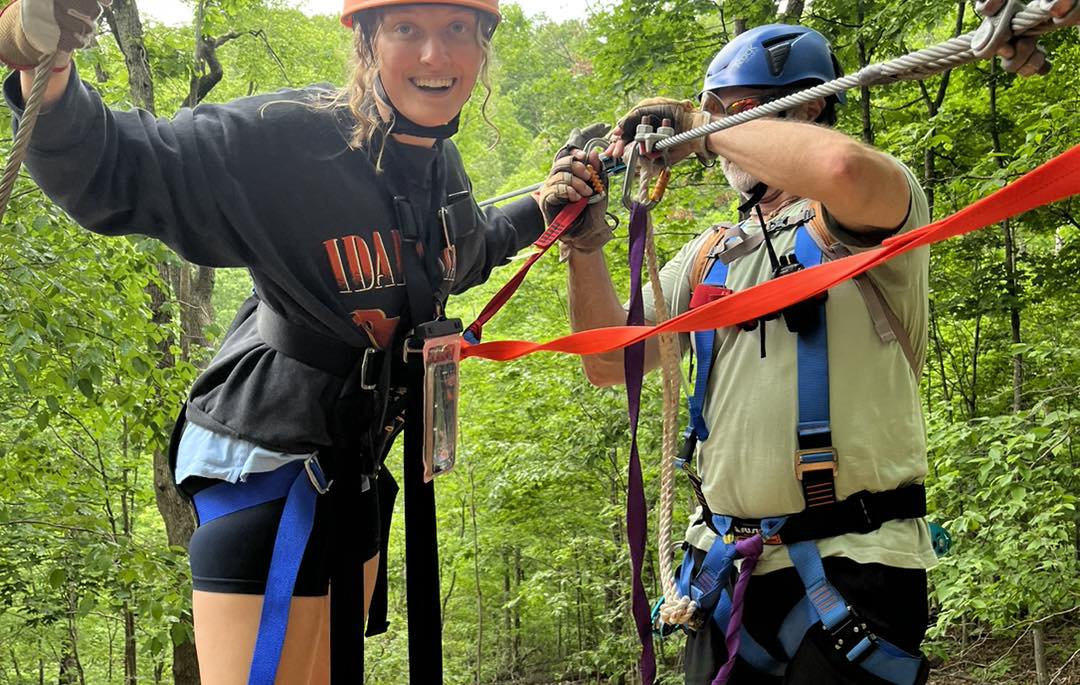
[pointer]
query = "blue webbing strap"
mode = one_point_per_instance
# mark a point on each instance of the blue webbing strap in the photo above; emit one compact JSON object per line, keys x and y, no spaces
{"x":830,"y":607}
{"x":751,"y":651}
{"x":686,"y":573}
{"x":825,"y":604}
{"x":813,"y":357}
{"x":259,"y":488}
{"x":703,"y":349}
{"x":712,"y":576}
{"x":292,"y":482}
{"x":814,"y":430}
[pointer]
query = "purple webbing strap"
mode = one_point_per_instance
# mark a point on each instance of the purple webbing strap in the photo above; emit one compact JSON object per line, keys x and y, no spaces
{"x":636,"y":521}
{"x":749,"y":550}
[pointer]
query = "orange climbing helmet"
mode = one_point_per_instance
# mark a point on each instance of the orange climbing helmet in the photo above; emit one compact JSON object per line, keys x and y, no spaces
{"x":354,"y":6}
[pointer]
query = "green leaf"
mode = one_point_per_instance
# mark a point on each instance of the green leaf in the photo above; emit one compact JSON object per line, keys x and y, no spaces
{"x":57,"y":578}
{"x":86,"y":388}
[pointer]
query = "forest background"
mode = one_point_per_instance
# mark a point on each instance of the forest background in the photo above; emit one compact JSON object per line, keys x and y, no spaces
{"x":100,"y":339}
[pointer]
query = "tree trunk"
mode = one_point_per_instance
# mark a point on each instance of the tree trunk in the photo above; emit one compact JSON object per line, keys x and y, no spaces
{"x":973,"y":396}
{"x":123,"y":18}
{"x":864,"y":91}
{"x":71,"y":670}
{"x":1038,"y":638}
{"x":508,"y":622}
{"x":131,"y":673}
{"x":479,"y":593}
{"x":1008,"y":234}
{"x":793,"y":11}
{"x":126,"y":24}
{"x":519,"y":576}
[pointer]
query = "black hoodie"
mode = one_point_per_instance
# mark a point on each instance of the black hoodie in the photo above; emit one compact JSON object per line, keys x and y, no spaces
{"x":268,"y":183}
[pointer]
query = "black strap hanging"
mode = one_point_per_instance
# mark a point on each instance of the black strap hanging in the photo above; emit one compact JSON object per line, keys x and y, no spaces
{"x":420,"y":234}
{"x":422,"y":243}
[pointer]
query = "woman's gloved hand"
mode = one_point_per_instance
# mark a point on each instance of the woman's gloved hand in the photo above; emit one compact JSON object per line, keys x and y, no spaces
{"x":569,"y":181}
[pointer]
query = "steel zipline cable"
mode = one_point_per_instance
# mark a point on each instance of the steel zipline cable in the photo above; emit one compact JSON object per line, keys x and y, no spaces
{"x":1033,"y":20}
{"x":914,"y":66}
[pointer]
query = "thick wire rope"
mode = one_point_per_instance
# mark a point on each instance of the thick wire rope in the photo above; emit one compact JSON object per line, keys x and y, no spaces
{"x":21,"y":144}
{"x":1030,"y":21}
{"x":914,"y":66}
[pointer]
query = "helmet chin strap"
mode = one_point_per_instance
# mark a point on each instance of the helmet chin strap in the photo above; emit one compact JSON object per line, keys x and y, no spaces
{"x":402,"y":124}
{"x":757,"y":194}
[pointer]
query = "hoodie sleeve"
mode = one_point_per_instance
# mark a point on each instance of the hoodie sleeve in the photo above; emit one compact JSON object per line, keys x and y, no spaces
{"x":121,"y":173}
{"x":496,"y":233}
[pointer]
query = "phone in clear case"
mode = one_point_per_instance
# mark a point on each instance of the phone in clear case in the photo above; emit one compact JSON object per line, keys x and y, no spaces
{"x":442,"y":357}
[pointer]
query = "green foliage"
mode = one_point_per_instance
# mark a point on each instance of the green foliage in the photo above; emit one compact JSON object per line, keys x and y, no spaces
{"x":535,"y":571}
{"x":1006,"y":488}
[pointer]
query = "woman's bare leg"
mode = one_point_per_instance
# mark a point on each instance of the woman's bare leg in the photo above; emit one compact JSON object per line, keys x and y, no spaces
{"x":320,"y":675}
{"x":226,"y":626}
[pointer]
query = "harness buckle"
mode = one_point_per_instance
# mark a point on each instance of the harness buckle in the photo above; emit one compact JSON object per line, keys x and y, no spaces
{"x":364,"y":383}
{"x":816,"y":459}
{"x":316,"y":475}
{"x":852,"y":637}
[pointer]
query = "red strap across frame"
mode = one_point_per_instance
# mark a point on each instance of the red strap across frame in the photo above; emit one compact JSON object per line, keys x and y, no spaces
{"x":565,"y":218}
{"x":1055,"y":180}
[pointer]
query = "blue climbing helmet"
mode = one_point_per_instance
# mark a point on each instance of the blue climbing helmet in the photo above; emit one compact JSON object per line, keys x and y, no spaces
{"x":777,"y":56}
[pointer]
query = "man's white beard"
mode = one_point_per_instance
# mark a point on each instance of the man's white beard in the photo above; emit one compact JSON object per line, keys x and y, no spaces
{"x":737,"y":178}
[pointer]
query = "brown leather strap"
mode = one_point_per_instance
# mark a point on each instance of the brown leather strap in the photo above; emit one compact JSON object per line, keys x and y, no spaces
{"x":704,"y":256}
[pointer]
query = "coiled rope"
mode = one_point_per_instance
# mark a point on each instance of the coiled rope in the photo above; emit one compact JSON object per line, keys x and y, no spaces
{"x":21,"y":144}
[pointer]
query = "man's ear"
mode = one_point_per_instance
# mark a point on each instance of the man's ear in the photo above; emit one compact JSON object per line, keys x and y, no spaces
{"x":814,"y":109}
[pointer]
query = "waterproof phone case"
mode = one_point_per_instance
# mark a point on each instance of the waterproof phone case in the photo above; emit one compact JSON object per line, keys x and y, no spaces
{"x":442,"y":355}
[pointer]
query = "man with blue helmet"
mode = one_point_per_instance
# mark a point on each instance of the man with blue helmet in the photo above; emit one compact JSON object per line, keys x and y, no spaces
{"x":819,"y":421}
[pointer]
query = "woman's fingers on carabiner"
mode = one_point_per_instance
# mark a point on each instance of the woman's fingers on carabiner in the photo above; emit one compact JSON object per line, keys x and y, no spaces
{"x":594,"y":160}
{"x":582,"y":177}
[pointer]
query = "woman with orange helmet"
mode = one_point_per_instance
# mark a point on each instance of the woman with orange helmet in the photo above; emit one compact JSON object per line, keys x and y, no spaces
{"x":353,"y":213}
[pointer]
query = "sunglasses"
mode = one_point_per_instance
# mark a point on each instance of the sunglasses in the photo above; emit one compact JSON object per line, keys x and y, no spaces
{"x":712,"y":104}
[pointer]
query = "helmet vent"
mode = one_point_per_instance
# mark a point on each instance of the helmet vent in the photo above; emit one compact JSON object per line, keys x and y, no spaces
{"x":777,"y":51}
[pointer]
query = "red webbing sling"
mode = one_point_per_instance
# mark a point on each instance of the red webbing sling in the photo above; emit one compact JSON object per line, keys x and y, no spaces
{"x":1057,"y":179}
{"x":565,"y":218}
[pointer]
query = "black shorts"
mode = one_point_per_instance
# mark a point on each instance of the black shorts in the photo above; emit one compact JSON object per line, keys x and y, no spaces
{"x":232,"y":553}
{"x":893,"y":601}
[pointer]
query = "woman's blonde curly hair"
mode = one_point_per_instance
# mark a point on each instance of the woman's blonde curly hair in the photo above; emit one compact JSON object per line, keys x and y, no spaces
{"x":358,"y":95}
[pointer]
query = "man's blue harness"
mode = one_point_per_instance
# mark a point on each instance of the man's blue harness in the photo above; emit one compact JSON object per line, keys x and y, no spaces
{"x":815,"y":465}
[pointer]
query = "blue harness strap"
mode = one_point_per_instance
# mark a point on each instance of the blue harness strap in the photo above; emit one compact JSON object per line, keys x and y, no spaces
{"x":825,"y":604}
{"x":704,"y":342}
{"x":299,"y":484}
{"x":815,"y":463}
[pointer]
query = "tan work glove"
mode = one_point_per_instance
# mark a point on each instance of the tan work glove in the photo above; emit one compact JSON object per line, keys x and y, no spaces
{"x":32,"y":29}
{"x":569,"y":181}
{"x":683,"y":115}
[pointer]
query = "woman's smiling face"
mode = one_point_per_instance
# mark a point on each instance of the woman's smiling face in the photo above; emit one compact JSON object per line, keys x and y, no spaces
{"x":429,"y":59}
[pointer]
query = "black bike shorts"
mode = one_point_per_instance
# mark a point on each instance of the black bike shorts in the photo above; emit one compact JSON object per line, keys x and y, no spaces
{"x":231,"y":554}
{"x":893,"y":602}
